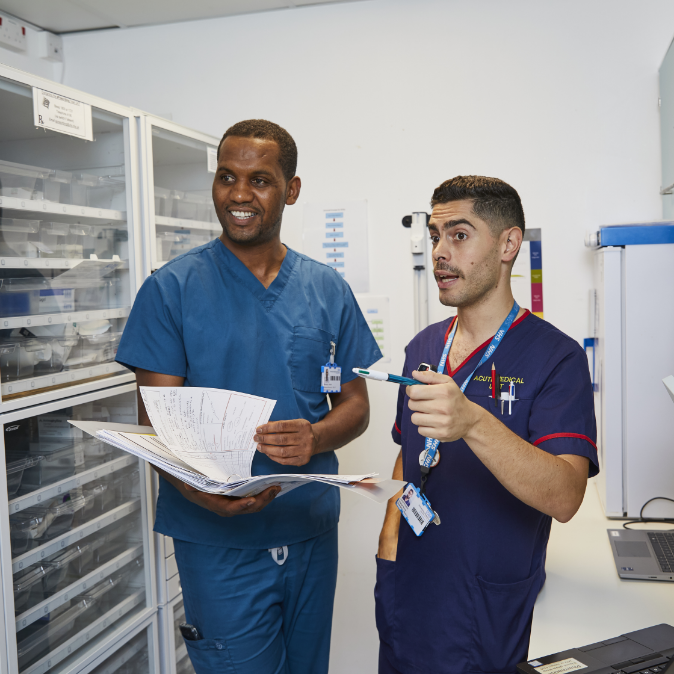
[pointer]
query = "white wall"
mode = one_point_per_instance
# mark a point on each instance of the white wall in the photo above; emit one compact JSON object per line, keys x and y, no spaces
{"x":388,"y":98}
{"x":29,"y":61}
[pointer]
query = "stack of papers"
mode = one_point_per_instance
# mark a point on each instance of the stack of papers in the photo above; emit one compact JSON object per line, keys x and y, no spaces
{"x":204,"y":437}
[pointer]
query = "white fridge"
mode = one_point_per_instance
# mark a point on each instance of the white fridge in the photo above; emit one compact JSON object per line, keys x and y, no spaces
{"x":76,"y":554}
{"x":630,"y":352}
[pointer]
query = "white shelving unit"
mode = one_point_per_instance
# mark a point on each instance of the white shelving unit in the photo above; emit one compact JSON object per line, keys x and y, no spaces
{"x":177,"y":209}
{"x":76,"y":550}
{"x":70,"y":244}
{"x":86,"y":586}
{"x":75,"y":542}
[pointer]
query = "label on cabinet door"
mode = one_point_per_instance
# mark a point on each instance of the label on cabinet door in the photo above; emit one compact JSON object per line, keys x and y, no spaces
{"x":62,"y":114}
{"x":211,"y":159}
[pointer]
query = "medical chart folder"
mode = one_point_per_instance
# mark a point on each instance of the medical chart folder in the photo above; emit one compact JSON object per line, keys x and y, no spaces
{"x":204,"y":437}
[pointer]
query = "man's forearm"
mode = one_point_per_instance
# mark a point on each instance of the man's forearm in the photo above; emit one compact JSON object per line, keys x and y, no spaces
{"x":341,"y":425}
{"x":388,"y":538}
{"x":555,"y":485}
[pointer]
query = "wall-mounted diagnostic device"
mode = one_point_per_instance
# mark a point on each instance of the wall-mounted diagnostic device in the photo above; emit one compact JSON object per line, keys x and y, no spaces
{"x":417,"y":223}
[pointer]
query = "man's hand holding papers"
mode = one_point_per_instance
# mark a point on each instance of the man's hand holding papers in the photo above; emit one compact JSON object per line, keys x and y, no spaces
{"x":205,"y":438}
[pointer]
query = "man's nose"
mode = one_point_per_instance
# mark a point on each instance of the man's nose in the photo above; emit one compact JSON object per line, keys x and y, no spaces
{"x":241,"y":192}
{"x":441,"y":251}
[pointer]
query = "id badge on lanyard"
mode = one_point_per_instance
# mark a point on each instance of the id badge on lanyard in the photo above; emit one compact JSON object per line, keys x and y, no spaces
{"x":430,"y":456}
{"x":416,"y":509}
{"x":331,"y":374}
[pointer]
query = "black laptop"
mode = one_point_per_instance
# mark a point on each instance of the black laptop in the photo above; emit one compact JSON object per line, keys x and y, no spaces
{"x":647,"y":651}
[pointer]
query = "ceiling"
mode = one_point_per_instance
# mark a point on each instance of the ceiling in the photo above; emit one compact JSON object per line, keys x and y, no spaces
{"x":66,"y":16}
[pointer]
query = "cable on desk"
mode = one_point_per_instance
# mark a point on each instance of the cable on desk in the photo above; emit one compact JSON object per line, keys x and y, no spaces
{"x":665,"y":520}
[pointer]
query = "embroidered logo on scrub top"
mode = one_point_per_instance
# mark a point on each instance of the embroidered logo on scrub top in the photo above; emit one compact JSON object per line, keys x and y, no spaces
{"x":504,"y":381}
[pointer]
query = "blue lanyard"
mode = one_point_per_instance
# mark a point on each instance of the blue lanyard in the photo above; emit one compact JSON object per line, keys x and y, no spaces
{"x":431,"y":443}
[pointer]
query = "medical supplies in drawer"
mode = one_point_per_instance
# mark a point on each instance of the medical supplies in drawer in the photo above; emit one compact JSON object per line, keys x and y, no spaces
{"x":47,"y":634}
{"x":54,"y":629}
{"x":177,"y":242}
{"x":16,"y":467}
{"x":19,"y":238}
{"x":59,"y":459}
{"x":88,"y":350}
{"x":21,"y":358}
{"x":22,"y":181}
{"x":32,"y":182}
{"x":32,"y":296}
{"x":187,"y":205}
{"x":107,"y":191}
{"x":34,"y":526}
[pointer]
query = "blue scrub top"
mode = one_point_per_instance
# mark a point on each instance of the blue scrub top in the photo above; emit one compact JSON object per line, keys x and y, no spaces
{"x":464,"y":591}
{"x":204,"y":316}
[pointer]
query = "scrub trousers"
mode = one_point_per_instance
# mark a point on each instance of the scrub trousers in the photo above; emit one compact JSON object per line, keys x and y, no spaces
{"x":254,"y":615}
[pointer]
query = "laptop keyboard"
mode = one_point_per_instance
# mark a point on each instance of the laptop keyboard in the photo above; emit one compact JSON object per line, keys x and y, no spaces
{"x":652,"y":670}
{"x":663,"y":546}
{"x":644,"y":665}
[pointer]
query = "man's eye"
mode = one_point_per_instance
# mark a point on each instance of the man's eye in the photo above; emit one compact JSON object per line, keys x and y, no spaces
{"x":461,"y":236}
{"x":258,"y":182}
{"x":226,"y":178}
{"x":435,"y":239}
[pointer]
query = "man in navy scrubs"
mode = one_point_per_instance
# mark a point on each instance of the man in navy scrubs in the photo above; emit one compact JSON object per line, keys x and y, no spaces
{"x":460,"y":597}
{"x":246,"y":313}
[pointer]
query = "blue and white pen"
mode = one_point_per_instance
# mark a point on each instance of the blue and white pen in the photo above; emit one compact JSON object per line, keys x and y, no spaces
{"x":384,"y":376}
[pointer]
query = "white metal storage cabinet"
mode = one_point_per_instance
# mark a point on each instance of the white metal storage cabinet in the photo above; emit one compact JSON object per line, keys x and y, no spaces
{"x":633,"y":327}
{"x":173,"y":651}
{"x":177,"y":171}
{"x":75,"y":546}
{"x":135,"y":653}
{"x":65,"y":202}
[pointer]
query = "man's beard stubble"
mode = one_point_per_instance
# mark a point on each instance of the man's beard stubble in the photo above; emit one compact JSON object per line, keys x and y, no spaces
{"x":477,"y":284}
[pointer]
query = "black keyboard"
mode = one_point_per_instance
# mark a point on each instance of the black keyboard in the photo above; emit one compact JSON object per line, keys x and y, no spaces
{"x":663,"y":546}
{"x":658,"y":665}
{"x":653,"y":670}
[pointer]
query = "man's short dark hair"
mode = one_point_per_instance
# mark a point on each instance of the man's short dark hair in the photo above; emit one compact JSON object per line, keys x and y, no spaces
{"x":261,"y":128}
{"x":494,"y":201}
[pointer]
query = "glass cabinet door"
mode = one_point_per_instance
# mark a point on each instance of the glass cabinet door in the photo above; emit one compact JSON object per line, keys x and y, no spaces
{"x":66,"y":277}
{"x":181,"y":209}
{"x":77,"y":532}
{"x":135,"y":655}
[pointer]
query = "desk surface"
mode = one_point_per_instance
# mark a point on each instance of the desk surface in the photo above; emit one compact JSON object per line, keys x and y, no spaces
{"x":584,"y":600}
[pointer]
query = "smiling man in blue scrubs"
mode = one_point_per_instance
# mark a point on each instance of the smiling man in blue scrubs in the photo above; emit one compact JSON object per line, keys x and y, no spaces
{"x":246,"y":313}
{"x":459,"y":598}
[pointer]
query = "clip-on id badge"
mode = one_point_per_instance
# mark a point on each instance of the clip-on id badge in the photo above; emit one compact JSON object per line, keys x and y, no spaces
{"x":331,"y":374}
{"x":415,"y":508}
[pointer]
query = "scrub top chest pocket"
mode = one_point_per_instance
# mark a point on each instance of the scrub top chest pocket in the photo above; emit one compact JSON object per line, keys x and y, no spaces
{"x":310,"y":350}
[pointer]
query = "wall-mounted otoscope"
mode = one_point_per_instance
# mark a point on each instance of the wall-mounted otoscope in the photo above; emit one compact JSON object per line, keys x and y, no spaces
{"x":418,"y":222}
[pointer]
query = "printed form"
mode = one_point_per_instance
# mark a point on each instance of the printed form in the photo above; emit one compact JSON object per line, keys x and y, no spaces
{"x":211,"y":430}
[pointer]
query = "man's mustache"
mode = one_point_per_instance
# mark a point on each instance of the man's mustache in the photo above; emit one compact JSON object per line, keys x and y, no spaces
{"x":450,"y":269}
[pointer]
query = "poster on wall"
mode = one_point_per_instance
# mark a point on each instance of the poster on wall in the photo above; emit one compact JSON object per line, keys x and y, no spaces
{"x":336,"y":234}
{"x":526,"y":277}
{"x":375,"y":310}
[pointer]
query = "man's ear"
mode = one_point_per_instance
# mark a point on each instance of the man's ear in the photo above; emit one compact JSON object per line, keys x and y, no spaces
{"x":512,"y":242}
{"x":293,"y":190}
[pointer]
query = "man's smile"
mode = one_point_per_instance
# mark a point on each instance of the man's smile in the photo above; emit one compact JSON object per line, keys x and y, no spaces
{"x":241,"y":215}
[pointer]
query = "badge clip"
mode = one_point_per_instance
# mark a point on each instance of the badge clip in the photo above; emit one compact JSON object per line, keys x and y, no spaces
{"x":331,"y":374}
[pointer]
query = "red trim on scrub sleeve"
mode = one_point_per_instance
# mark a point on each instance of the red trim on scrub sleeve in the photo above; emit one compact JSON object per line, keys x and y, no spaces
{"x":564,"y":435}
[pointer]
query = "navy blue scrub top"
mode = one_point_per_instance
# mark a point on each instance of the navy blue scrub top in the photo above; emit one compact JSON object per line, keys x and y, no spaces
{"x":469,"y":585}
{"x":204,"y":316}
